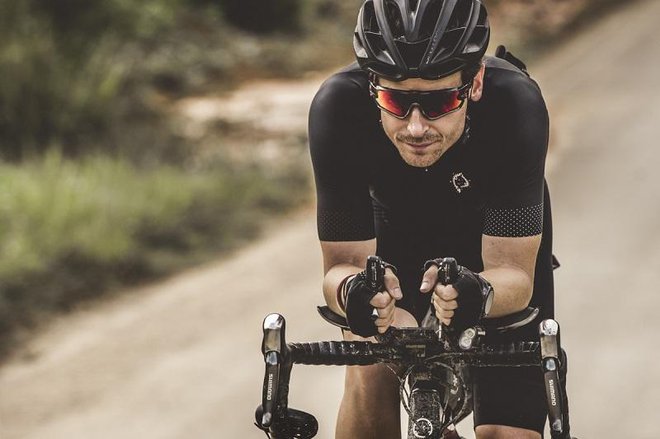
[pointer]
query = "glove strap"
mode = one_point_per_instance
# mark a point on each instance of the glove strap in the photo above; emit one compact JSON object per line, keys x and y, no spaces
{"x":358,"y":309}
{"x":475,"y":296}
{"x":342,"y":291}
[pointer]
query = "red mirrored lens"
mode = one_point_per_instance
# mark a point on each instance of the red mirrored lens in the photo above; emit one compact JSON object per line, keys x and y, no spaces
{"x":433,"y":104}
{"x":438,"y":104}
{"x":393,"y":102}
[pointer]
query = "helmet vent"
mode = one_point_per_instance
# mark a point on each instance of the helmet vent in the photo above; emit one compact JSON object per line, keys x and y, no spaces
{"x":477,"y":39}
{"x":412,"y":53}
{"x":395,"y":19}
{"x":376,"y":42}
{"x":483,"y":15}
{"x":370,"y":23}
{"x":461,"y":15}
{"x":449,"y":42}
{"x":429,"y":19}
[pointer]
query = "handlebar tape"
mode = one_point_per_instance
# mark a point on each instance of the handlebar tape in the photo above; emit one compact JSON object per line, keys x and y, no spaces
{"x":361,"y":353}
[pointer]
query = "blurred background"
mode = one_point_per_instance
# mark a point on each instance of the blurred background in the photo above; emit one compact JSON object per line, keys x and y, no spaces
{"x":146,"y":145}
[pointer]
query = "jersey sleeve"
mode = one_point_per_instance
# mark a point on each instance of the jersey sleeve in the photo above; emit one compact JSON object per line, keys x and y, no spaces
{"x":515,"y":207}
{"x":344,"y":207}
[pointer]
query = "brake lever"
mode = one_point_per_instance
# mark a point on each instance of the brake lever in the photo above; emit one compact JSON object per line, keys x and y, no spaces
{"x":448,"y":271}
{"x":550,"y":364}
{"x":273,"y":349}
{"x":375,"y":272}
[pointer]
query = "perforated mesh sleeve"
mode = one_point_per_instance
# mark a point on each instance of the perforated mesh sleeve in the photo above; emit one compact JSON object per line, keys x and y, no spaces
{"x":342,"y":226}
{"x":525,"y":221}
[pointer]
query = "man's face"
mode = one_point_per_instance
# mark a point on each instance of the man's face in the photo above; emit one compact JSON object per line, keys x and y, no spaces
{"x":420,"y":141}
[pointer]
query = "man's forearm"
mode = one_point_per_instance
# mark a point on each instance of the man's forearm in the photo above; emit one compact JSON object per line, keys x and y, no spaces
{"x":513,"y":289}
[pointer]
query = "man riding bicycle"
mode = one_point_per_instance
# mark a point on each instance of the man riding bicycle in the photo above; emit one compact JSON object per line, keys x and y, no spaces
{"x":426,"y":148}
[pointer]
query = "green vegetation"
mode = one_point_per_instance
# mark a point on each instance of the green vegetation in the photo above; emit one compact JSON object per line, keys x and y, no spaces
{"x":72,"y":229}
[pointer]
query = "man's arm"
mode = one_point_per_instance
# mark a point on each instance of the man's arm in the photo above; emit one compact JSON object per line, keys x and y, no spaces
{"x":509,"y":265}
{"x":342,"y":259}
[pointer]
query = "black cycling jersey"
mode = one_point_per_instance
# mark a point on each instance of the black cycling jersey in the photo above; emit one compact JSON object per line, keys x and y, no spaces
{"x":490,"y":182}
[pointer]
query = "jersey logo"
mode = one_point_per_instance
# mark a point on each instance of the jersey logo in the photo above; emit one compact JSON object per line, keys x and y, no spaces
{"x":460,"y":182}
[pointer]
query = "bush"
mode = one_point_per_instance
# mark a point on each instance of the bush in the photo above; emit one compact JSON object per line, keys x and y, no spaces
{"x":71,"y":230}
{"x":62,"y":70}
{"x":264,"y":16}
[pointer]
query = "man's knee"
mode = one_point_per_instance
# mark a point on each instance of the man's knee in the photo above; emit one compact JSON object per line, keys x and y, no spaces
{"x":505,"y":432}
{"x":372,"y":382}
{"x":375,"y":384}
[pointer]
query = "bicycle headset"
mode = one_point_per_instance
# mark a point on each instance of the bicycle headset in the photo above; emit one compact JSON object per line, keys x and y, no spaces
{"x":428,"y":39}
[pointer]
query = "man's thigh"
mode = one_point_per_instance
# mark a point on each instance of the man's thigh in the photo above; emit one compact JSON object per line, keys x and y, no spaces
{"x":509,"y":397}
{"x":505,"y":432}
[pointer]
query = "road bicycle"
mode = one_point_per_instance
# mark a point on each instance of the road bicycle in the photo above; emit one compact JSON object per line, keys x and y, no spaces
{"x":437,"y":363}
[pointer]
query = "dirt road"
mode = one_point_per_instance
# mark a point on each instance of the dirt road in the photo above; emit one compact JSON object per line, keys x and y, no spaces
{"x":181,"y":359}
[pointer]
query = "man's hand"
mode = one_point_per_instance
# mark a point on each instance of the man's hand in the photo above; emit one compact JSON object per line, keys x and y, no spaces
{"x":384,"y":301}
{"x":462,"y":304}
{"x":361,"y":302}
{"x":444,"y":296}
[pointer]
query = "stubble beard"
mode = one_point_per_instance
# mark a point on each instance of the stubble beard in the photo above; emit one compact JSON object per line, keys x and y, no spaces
{"x":431,"y":154}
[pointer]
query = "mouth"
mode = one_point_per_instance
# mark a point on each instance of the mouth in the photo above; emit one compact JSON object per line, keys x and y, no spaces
{"x":419,"y":146}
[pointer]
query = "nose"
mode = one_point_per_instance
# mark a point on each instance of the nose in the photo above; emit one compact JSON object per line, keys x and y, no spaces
{"x":417,"y":123}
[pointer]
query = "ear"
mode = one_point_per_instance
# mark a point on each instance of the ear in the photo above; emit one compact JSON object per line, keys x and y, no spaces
{"x":478,"y":84}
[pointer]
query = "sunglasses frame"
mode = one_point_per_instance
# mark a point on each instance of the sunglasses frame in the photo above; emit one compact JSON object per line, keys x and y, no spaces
{"x":463,"y":90}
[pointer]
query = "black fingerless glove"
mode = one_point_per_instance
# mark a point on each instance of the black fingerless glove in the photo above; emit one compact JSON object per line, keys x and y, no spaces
{"x":358,"y":309}
{"x":475,"y":297}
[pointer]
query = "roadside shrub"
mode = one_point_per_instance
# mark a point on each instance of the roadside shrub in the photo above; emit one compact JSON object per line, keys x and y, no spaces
{"x":72,"y":230}
{"x":63,"y":64}
{"x":264,"y":16}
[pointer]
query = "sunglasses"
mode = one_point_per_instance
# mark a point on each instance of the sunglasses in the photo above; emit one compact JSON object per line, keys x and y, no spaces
{"x":433,"y":103}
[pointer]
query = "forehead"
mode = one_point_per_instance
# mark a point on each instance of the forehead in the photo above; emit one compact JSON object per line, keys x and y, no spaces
{"x":453,"y":80}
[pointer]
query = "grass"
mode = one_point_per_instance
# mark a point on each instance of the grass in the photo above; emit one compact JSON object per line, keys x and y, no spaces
{"x":71,"y":230}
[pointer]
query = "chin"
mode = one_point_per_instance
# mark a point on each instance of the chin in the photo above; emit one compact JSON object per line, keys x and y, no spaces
{"x":420,"y":160}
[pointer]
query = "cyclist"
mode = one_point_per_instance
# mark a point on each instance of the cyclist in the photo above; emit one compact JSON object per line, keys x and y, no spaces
{"x":422,"y":149}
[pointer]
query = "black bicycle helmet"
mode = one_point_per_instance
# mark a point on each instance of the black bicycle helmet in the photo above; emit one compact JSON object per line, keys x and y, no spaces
{"x":429,"y":39}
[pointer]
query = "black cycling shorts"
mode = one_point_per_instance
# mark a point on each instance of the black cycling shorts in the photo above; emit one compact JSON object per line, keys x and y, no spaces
{"x":513,"y":396}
